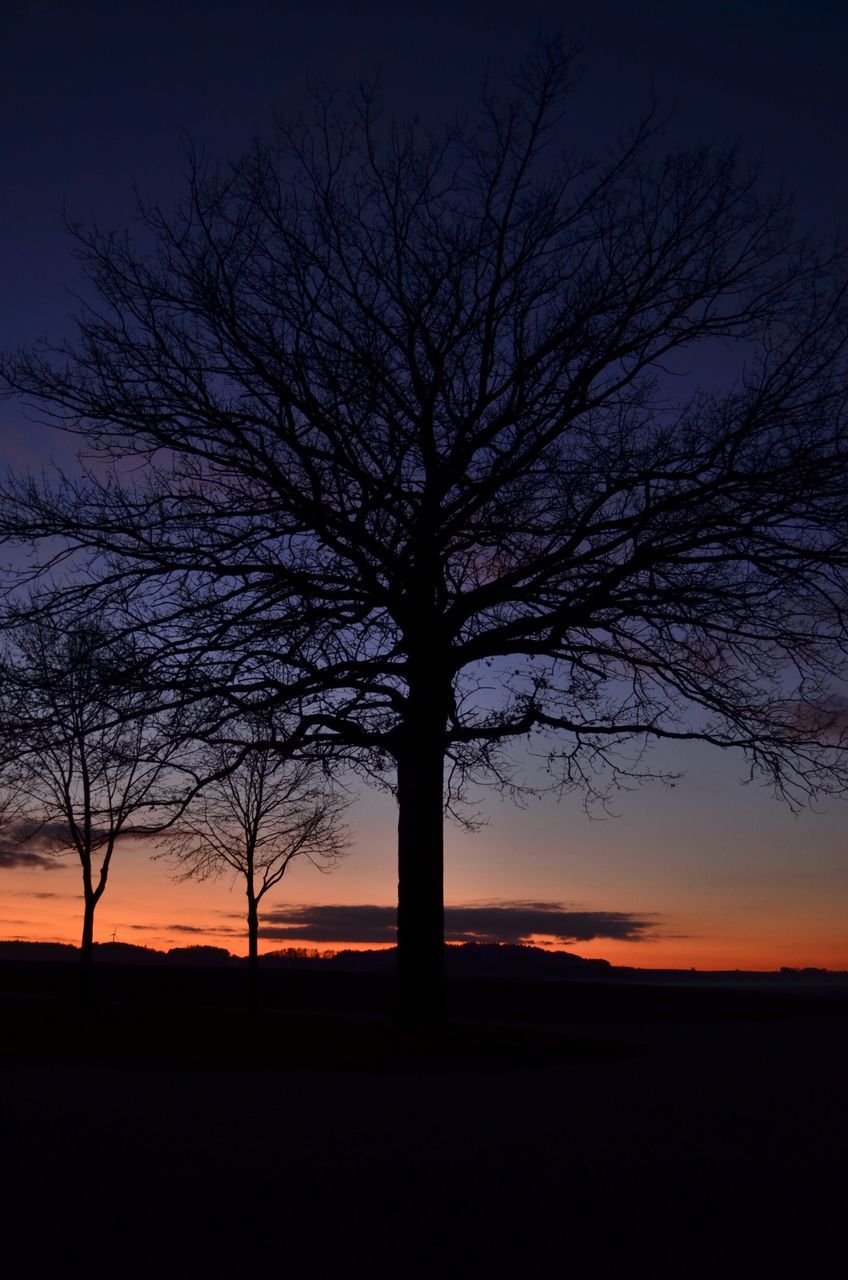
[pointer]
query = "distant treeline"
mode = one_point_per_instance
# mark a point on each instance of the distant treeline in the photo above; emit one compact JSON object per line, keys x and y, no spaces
{"x":467,"y":960}
{"x":497,"y":960}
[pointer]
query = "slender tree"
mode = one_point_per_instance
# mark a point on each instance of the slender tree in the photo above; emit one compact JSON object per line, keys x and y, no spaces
{"x":259,"y":811}
{"x":86,"y":760}
{"x":418,"y":449}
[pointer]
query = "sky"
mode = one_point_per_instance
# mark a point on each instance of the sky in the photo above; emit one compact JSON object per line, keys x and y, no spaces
{"x":97,"y":95}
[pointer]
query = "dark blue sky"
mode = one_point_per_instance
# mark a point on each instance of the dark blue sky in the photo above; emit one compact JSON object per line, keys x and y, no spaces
{"x":93,"y":94}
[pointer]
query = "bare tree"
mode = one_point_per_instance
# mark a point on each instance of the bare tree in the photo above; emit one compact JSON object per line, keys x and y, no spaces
{"x":9,"y":818}
{"x":87,"y":761}
{"x":259,"y":811}
{"x":416,"y":450}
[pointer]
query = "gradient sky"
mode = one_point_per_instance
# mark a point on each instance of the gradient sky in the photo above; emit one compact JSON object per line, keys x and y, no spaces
{"x":93,"y":95}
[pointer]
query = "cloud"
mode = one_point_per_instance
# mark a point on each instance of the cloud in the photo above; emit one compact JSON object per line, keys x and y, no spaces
{"x":477,"y":922}
{"x":181,"y":928}
{"x":41,"y":896}
{"x":356,"y":923}
{"x":25,"y":843}
{"x":15,"y":858}
{"x":32,"y":844}
{"x":515,"y":921}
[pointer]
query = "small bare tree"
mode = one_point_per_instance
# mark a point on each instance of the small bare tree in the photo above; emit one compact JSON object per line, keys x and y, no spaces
{"x":259,"y":812}
{"x":85,"y":760}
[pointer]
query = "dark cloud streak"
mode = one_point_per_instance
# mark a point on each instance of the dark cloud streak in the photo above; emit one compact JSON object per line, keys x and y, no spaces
{"x":182,"y":928}
{"x":510,"y":922}
{"x":29,"y":844}
{"x":15,"y":858}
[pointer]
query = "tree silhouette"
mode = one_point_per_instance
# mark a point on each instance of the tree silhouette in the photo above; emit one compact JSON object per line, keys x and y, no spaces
{"x":84,"y":756}
{"x":418,"y":449}
{"x":259,"y":811}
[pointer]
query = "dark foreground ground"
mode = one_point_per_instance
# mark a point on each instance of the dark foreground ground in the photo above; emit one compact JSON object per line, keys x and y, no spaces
{"x":561,"y":1128}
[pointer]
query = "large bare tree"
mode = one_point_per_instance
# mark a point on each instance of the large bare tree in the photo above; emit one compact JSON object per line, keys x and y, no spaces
{"x":452,"y":439}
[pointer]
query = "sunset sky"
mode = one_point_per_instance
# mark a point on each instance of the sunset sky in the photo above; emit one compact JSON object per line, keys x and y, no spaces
{"x":93,"y":95}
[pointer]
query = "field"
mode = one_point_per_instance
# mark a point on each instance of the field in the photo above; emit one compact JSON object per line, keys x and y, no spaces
{"x":595,"y":1128}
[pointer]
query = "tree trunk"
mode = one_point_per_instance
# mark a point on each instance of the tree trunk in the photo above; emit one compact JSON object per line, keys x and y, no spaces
{"x":421,"y":912}
{"x":252,"y":951}
{"x":87,"y":953}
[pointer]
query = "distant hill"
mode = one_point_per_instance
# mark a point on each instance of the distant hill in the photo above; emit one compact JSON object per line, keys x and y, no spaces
{"x":470,"y":960}
{"x":117,"y":953}
{"x":482,"y":959}
{"x":37,"y":951}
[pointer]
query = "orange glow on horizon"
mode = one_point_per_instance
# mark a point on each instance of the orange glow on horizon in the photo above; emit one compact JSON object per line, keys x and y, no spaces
{"x":746,"y":913}
{"x":47,"y":922}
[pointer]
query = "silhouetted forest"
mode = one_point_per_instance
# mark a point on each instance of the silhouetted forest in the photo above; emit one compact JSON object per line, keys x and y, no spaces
{"x":472,"y":958}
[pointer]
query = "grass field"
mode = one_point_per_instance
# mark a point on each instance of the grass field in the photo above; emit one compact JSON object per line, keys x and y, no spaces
{"x":557,"y":1128}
